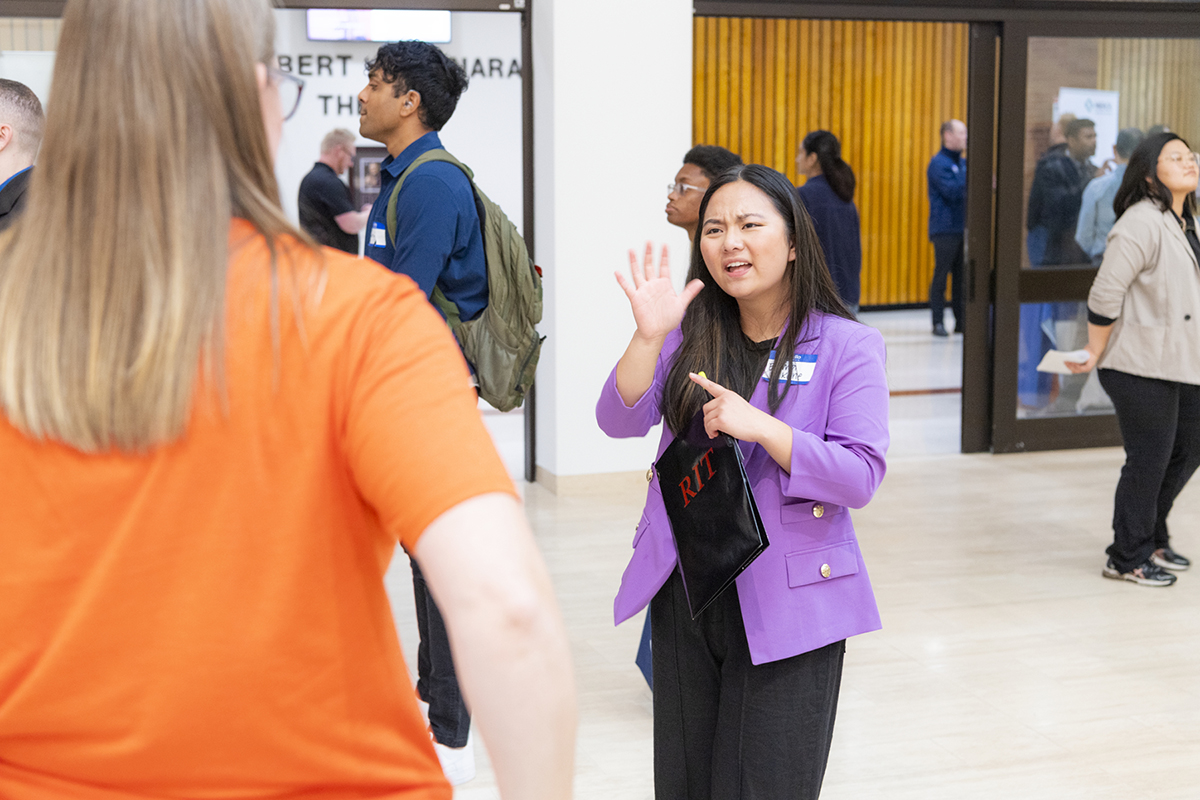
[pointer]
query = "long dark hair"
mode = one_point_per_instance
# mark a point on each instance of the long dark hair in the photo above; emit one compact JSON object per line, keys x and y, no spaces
{"x":713,"y":340}
{"x":1143,"y":164}
{"x":829,"y":156}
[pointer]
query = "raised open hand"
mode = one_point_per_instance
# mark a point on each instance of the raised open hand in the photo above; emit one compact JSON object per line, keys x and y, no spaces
{"x":657,"y":310}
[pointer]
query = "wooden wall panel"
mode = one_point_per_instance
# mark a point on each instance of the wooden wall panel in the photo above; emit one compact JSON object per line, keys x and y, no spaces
{"x":884,"y":88}
{"x":1157,"y":82}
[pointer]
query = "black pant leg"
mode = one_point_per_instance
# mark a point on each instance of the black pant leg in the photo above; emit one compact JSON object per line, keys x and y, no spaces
{"x":775,"y":722}
{"x":725,"y":729}
{"x":1185,"y":458}
{"x":686,"y":693}
{"x":437,"y":683}
{"x":956,"y":284}
{"x":946,"y":249}
{"x":1147,"y":412}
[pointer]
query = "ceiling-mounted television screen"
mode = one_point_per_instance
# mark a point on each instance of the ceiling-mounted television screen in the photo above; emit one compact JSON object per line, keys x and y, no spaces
{"x":377,"y":25}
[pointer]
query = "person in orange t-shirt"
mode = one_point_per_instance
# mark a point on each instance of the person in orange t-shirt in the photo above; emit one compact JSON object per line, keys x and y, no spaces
{"x":213,"y":436}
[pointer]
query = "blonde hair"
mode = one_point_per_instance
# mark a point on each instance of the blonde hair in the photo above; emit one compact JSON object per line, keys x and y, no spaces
{"x":112,"y":285}
{"x":338,"y":137}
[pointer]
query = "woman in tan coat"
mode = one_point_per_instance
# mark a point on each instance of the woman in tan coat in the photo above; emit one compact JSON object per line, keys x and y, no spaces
{"x":1144,"y":335}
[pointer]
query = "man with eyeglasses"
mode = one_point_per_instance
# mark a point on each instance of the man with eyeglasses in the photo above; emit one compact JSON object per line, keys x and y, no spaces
{"x":702,"y":164}
{"x":327,"y":210}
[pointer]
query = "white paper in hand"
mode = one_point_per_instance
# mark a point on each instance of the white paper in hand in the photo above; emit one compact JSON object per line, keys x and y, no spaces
{"x":1056,"y":360}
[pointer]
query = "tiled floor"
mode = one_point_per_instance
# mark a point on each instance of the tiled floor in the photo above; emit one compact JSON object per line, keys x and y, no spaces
{"x":1006,"y":668}
{"x":925,"y":420}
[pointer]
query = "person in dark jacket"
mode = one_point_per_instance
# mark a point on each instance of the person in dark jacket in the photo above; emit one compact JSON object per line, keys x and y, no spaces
{"x":1059,"y":179}
{"x":1055,"y":198}
{"x":21,"y":123}
{"x":947,"y":185}
{"x":828,"y":197}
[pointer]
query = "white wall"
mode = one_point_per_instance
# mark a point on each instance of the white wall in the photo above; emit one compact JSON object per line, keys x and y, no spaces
{"x":484,"y":133}
{"x":30,"y":67}
{"x":612,"y":117}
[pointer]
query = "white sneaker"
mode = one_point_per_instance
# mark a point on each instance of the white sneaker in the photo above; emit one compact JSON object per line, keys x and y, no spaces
{"x":458,"y":763}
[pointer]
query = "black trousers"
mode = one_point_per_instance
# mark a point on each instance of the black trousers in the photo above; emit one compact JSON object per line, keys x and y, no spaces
{"x":947,"y":261}
{"x":1160,"y":425}
{"x":725,"y":728}
{"x":437,"y":683}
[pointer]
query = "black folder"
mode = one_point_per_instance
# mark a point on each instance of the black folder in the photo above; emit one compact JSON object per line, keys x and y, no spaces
{"x":714,"y":520}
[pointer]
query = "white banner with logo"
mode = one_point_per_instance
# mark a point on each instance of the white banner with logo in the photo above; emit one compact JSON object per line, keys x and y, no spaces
{"x":1099,"y":106}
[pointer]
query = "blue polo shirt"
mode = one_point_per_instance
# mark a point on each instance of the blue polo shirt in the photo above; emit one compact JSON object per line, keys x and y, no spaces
{"x":438,"y":239}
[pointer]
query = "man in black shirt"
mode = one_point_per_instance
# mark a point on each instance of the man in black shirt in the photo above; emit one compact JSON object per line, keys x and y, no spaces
{"x":327,"y":210}
{"x":21,"y":124}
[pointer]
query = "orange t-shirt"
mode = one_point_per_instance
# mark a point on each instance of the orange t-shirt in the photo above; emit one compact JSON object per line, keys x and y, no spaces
{"x":209,"y":620}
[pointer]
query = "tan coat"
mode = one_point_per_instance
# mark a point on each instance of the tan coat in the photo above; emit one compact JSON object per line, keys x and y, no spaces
{"x":1150,"y":283}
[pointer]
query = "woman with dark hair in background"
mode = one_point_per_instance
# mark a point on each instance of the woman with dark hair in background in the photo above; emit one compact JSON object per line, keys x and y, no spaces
{"x":828,"y":197}
{"x":745,"y":695}
{"x":1142,"y":336}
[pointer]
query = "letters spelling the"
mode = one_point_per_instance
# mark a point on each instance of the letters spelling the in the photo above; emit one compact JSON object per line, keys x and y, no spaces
{"x":685,"y":485}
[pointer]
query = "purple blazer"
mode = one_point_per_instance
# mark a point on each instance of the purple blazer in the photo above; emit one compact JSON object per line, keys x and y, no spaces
{"x":809,"y":587}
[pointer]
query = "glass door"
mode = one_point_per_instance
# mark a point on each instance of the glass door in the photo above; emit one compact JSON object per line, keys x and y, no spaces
{"x":1075,"y":101}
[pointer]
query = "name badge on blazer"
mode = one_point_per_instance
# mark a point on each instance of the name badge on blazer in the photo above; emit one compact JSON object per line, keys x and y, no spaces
{"x":803,"y":367}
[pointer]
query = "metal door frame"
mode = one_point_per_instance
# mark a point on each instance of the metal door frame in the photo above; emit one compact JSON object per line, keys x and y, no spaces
{"x":1013,"y":285}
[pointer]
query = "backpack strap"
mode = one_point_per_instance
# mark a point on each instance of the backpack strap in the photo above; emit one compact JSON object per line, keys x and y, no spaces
{"x":437,"y":297}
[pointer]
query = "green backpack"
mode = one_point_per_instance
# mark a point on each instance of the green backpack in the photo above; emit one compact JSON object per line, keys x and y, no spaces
{"x":501,"y":343}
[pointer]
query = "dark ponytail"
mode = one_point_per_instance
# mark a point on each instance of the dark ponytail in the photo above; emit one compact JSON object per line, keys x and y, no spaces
{"x":829,"y":156}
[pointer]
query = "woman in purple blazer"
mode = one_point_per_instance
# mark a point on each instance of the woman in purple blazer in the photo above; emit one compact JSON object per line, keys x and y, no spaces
{"x":745,"y":695}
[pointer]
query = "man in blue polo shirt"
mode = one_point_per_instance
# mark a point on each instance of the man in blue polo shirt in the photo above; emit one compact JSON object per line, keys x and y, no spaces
{"x":412,"y":91}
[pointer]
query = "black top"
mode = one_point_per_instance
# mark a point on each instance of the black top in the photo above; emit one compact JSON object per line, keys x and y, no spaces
{"x":1189,"y":231}
{"x":12,"y":197}
{"x":322,"y":197}
{"x":758,"y":352}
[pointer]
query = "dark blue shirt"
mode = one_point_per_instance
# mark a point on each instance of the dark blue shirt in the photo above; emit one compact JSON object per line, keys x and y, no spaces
{"x":836,"y":223}
{"x":438,"y":238}
{"x":947,"y":175}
